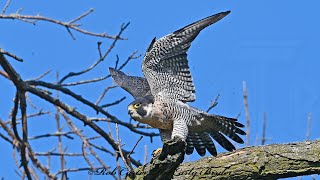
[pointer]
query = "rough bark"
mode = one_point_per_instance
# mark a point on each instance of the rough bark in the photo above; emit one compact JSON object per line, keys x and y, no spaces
{"x":261,"y":162}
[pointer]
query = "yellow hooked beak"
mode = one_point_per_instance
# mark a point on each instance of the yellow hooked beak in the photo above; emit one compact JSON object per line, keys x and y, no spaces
{"x":131,"y":108}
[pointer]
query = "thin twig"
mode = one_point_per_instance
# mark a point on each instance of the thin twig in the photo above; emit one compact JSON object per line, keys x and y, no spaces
{"x":309,"y":126}
{"x":42,"y":75}
{"x":84,"y":140}
{"x":86,"y":81}
{"x":135,"y":145}
{"x":5,"y":6}
{"x":11,"y":55}
{"x":33,"y":115}
{"x":131,"y":57}
{"x":57,"y":134}
{"x":246,"y":107}
{"x":145,"y":156}
{"x":101,"y":148}
{"x":83,"y":100}
{"x":71,"y":74}
{"x":213,"y":103}
{"x":23,"y":152}
{"x":104,"y":93}
{"x":34,"y":19}
{"x":76,"y":170}
{"x":6,"y":138}
{"x":264,"y":127}
{"x":57,"y":154}
{"x":99,"y":49}
{"x":117,"y":62}
{"x":4,"y":74}
{"x":125,"y":160}
{"x":113,"y":103}
{"x":57,"y":118}
{"x":82,"y":16}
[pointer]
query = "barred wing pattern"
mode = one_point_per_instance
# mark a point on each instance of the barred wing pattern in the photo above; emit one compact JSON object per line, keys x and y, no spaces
{"x":165,"y":64}
{"x":138,"y":87}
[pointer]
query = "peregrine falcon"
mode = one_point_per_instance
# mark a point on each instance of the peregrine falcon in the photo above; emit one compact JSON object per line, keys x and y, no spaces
{"x":161,"y":97}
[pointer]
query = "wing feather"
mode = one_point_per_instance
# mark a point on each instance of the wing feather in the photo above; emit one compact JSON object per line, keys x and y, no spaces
{"x":165,"y":64}
{"x":136,"y":86}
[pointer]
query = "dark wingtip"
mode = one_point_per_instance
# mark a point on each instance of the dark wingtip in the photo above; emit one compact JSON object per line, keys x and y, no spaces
{"x":227,"y":12}
{"x":111,"y":70}
{"x":115,"y":72}
{"x":151,"y":44}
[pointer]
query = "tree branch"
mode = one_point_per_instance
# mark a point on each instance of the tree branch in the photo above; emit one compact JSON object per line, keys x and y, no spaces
{"x":69,"y":25}
{"x":261,"y":162}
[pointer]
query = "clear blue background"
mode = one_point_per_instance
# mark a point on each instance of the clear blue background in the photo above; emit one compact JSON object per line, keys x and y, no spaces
{"x":272,"y":45}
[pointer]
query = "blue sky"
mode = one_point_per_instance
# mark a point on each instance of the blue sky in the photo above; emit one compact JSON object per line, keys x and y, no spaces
{"x":272,"y":45}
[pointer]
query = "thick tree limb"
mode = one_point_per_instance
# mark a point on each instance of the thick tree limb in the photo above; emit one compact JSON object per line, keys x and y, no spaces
{"x":261,"y":162}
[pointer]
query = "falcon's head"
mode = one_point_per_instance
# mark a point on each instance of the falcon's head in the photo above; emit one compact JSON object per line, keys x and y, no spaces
{"x":141,"y":108}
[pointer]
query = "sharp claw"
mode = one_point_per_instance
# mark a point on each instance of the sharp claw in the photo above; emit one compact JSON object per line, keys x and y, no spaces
{"x":156,"y":152}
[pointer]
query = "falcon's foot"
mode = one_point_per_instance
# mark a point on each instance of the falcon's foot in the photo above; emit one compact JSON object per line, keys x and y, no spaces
{"x":173,"y":147}
{"x":156,"y":152}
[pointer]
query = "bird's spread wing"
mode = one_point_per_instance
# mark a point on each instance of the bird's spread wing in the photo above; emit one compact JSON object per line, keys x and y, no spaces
{"x":136,"y":86}
{"x":220,"y":126}
{"x":200,"y":141}
{"x":165,"y":64}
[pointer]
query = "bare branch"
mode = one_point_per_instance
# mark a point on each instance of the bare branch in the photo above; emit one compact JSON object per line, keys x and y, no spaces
{"x":76,"y":170}
{"x":309,"y":126}
{"x":102,"y":149}
{"x":82,"y":16}
{"x":145,"y":156}
{"x":34,"y":19}
{"x":23,"y":154}
{"x":84,"y":140}
{"x":11,"y":55}
{"x":40,"y":113}
{"x":131,"y":57}
{"x":214,"y":103}
{"x":262,"y":162}
{"x":113,"y":103}
{"x":246,"y":107}
{"x":125,"y":160}
{"x":6,"y":6}
{"x":104,"y":93}
{"x":135,"y":145}
{"x":86,"y":81}
{"x":90,"y":104}
{"x":6,"y":138}
{"x":42,"y":75}
{"x":99,"y":49}
{"x":4,"y":74}
{"x":57,"y":154}
{"x":71,"y":74}
{"x":57,"y":134}
{"x":263,"y":138}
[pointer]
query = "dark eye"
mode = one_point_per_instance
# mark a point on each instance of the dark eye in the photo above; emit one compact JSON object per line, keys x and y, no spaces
{"x":136,"y":106}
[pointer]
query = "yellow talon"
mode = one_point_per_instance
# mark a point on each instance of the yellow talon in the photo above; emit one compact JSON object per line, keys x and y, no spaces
{"x":157,"y":152}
